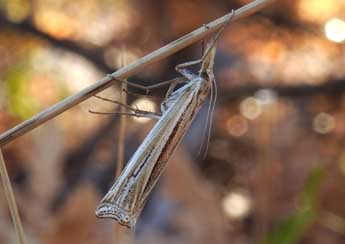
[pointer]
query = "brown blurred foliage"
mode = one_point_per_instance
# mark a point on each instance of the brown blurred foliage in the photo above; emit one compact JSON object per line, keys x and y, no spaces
{"x":275,"y":169}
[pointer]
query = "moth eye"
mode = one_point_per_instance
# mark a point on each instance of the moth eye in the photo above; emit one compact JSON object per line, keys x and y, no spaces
{"x":126,"y":218}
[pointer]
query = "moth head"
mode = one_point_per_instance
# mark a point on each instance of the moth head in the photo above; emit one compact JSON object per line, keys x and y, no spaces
{"x":208,"y":59}
{"x":126,"y":220}
{"x":107,"y":210}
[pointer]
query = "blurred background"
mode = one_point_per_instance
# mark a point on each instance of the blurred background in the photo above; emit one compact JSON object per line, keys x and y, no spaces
{"x":275,"y":168}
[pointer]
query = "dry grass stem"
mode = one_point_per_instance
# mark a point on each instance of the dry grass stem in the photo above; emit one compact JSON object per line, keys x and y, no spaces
{"x":104,"y":83}
{"x":129,"y":70}
{"x":122,"y":126}
{"x":11,"y":200}
{"x":118,"y":233}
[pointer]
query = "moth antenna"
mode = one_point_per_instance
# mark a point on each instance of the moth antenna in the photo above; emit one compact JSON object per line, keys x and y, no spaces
{"x":206,"y":127}
{"x":214,"y":84}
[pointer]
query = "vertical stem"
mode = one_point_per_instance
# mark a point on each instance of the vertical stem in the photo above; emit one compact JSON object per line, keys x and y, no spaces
{"x":122,"y":127}
{"x":11,"y":200}
{"x":119,"y":232}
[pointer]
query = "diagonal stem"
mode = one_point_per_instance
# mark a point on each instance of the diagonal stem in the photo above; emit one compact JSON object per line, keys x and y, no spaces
{"x":11,"y":200}
{"x":129,"y":70}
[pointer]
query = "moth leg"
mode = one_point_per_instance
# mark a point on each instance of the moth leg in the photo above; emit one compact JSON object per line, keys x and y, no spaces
{"x":148,"y":88}
{"x":207,"y":56}
{"x":113,"y":101}
{"x":133,"y":111}
{"x":138,"y":113}
{"x":129,"y":83}
{"x":182,"y":68}
{"x":174,"y":82}
{"x":141,"y":95}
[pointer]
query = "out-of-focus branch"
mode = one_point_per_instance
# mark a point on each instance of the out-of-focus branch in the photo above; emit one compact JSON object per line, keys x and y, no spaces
{"x":94,"y":56}
{"x":26,"y":26}
{"x":129,"y":70}
{"x":332,"y":87}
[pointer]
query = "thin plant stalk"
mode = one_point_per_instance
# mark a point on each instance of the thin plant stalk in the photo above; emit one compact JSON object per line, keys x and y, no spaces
{"x":122,"y":134}
{"x":122,"y":126}
{"x":11,"y":201}
{"x":119,"y":230}
{"x":104,"y":83}
{"x":129,"y":70}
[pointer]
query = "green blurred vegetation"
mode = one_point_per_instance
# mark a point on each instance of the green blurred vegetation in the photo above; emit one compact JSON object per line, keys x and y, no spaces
{"x":291,"y":230}
{"x":16,"y":10}
{"x":20,"y":102}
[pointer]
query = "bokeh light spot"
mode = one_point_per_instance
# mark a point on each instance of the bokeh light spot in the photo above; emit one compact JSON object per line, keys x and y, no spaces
{"x":237,"y":204}
{"x":335,"y":30}
{"x":318,"y":10}
{"x":56,"y":23}
{"x":266,"y":96}
{"x":143,"y":104}
{"x":250,"y":108}
{"x":323,"y":123}
{"x":237,"y":126}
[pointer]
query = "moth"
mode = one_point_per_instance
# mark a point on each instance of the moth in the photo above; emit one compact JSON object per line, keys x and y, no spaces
{"x":128,"y":195}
